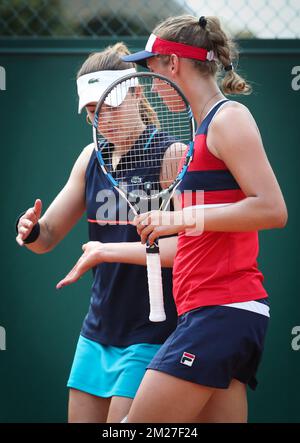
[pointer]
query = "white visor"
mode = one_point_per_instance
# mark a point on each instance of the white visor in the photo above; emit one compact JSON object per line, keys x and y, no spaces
{"x":90,"y":87}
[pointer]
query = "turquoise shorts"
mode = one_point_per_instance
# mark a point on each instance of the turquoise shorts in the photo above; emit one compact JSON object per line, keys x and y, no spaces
{"x":107,"y":371}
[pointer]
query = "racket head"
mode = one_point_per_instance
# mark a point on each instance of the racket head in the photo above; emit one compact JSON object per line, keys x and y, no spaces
{"x":126,"y":110}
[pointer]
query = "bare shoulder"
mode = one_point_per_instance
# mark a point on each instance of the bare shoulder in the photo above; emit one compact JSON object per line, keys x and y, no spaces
{"x":82,"y":161}
{"x":85,"y":154}
{"x":231,"y":123}
{"x":230,"y":114}
{"x":87,"y":151}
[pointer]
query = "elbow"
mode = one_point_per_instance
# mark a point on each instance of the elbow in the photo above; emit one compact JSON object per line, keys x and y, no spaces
{"x":279,"y":218}
{"x":40,"y":250}
{"x":48,"y":248}
{"x":282,"y":220}
{"x":42,"y":247}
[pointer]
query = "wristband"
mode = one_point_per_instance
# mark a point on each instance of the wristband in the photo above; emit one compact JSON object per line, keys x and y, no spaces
{"x":35,"y":232}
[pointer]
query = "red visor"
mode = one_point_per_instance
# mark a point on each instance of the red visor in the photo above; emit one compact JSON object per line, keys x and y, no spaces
{"x":166,"y":47}
{"x":156,"y":45}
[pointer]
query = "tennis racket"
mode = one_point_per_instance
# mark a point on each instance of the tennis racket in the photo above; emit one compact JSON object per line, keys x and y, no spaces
{"x":134,"y":119}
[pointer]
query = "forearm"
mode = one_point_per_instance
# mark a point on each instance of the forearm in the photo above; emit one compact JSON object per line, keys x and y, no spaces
{"x":249,"y":214}
{"x":135,"y":253}
{"x":57,"y":222}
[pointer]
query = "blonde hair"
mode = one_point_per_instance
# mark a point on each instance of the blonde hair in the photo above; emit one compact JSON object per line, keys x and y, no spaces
{"x":110,"y":59}
{"x":186,"y":29}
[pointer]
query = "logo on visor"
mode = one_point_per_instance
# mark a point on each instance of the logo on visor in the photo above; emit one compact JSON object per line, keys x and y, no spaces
{"x":187,"y":359}
{"x":93,"y":80}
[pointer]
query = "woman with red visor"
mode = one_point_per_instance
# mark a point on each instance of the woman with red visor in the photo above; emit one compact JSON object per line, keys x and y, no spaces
{"x":201,"y":372}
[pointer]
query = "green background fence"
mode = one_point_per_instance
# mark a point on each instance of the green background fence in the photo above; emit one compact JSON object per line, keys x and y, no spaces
{"x":115,"y":18}
{"x":41,"y":136}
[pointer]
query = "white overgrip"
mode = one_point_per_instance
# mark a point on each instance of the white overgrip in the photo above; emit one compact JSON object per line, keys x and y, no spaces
{"x":157,"y":310}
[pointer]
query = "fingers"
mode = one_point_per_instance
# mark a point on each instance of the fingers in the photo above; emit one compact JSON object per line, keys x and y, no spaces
{"x":29,"y":215}
{"x":142,"y":222}
{"x":28,"y":220}
{"x":143,"y":226}
{"x":140,"y":228}
{"x":76,"y":272}
{"x":24,"y":232}
{"x":138,"y":219}
{"x":71,"y":277}
{"x":19,"y":240}
{"x":38,"y":208}
{"x":150,"y":225}
{"x":24,"y":228}
{"x":87,"y":261}
{"x":155,"y":234}
{"x":25,"y":223}
{"x":145,"y":232}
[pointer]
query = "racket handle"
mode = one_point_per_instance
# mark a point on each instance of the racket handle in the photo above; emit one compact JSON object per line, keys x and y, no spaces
{"x":157,"y":310}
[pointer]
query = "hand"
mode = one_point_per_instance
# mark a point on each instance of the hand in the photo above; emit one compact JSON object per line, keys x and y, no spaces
{"x":92,"y":256}
{"x":28,"y":221}
{"x":154,"y":224}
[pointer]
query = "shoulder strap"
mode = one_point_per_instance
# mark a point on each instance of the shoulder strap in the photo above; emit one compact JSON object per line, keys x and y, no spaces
{"x":209,"y":116}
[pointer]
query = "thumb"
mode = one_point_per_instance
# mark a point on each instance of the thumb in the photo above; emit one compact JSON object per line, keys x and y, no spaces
{"x":38,"y":208}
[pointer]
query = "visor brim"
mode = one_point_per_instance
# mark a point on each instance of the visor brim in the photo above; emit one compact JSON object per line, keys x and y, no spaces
{"x":139,"y":58}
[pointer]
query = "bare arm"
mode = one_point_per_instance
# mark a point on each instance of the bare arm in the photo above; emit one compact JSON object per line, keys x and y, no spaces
{"x":135,"y":253}
{"x":95,"y":253}
{"x":62,"y":214}
{"x":234,"y":138}
{"x":243,"y":152}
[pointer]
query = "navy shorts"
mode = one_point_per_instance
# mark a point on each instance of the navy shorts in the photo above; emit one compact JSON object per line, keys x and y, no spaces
{"x":214,"y":344}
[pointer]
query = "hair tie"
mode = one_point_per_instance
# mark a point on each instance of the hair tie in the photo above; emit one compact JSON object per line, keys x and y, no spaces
{"x":202,"y":22}
{"x":228,"y":68}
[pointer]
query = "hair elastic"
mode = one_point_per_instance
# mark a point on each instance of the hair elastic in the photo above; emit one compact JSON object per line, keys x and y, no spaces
{"x":202,"y":22}
{"x":228,"y":68}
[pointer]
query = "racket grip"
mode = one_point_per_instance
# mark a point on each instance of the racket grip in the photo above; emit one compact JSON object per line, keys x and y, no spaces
{"x":157,"y":310}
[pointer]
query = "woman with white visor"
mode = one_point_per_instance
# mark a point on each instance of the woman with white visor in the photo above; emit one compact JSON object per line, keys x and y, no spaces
{"x":117,"y":340}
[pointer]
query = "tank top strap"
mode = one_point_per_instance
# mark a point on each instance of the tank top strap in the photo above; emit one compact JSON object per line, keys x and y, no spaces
{"x":203,"y":128}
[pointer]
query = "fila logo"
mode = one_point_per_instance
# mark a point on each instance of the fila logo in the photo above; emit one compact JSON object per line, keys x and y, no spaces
{"x":187,"y":359}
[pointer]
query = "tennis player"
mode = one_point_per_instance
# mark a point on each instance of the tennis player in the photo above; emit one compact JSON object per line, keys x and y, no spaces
{"x":202,"y":370}
{"x":117,"y":340}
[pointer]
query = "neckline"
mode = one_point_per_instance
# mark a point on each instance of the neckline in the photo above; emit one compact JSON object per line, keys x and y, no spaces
{"x":213,"y":106}
{"x":209,"y":111}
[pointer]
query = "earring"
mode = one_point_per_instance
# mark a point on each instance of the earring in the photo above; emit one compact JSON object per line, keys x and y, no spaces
{"x":88,"y":120}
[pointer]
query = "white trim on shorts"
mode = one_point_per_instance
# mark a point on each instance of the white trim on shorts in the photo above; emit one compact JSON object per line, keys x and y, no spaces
{"x":253,"y":306}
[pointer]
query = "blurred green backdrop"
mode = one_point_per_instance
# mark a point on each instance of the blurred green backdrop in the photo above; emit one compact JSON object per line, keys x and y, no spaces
{"x":41,"y":136}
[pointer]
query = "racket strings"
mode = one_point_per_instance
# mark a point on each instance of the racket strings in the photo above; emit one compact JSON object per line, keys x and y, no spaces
{"x":148,"y":162}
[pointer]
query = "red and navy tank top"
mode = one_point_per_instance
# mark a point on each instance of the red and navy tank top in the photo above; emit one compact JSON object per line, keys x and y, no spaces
{"x":119,"y":308}
{"x":214,"y":268}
